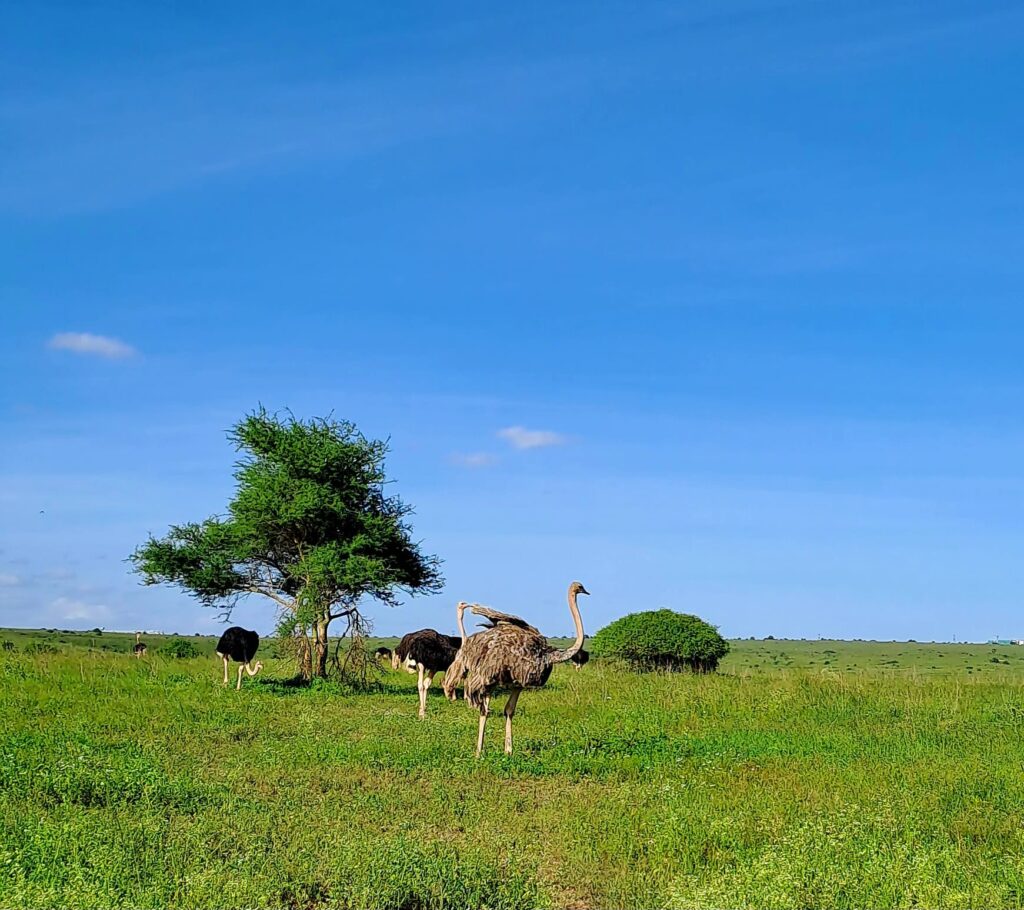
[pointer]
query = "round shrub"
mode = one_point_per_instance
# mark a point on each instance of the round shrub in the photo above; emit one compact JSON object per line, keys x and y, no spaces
{"x":662,"y":640}
{"x":178,"y":647}
{"x":40,"y":647}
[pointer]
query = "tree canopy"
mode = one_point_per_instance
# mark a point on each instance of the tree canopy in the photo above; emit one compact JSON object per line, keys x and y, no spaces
{"x":310,"y":527}
{"x":662,"y":639}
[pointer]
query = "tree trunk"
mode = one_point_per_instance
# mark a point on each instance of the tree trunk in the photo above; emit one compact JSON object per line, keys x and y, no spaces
{"x":321,"y":646}
{"x":305,"y":656}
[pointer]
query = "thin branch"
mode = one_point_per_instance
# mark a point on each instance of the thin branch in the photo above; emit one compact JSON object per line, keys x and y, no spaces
{"x":288,"y":605}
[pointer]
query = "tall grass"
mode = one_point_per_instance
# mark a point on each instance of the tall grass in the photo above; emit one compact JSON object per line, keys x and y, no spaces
{"x":147,"y":784}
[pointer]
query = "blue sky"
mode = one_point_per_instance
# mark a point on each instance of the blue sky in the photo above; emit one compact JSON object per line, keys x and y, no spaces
{"x":714,"y":306}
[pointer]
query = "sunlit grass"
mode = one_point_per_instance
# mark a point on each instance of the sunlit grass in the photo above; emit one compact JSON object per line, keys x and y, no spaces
{"x":146,"y":784}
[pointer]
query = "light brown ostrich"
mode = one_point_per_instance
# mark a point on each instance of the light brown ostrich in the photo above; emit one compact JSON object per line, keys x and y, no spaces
{"x":510,"y":654}
{"x":140,"y":646}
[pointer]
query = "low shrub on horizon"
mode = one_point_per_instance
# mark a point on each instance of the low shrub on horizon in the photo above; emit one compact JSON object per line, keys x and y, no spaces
{"x":662,"y":640}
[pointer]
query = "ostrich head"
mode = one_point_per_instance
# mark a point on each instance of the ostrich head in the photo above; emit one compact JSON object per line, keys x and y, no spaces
{"x":461,"y":607}
{"x":577,"y":588}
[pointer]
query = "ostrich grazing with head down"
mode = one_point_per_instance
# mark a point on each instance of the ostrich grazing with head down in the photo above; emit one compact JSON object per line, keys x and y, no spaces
{"x":509,"y":654}
{"x":140,"y":645}
{"x":426,"y":652}
{"x":382,"y":654}
{"x":239,"y":645}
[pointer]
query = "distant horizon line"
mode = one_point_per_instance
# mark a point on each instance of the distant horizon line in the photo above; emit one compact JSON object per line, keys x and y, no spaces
{"x":907,"y":641}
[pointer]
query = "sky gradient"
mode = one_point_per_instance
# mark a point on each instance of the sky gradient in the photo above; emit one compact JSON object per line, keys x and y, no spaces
{"x":713,"y":306}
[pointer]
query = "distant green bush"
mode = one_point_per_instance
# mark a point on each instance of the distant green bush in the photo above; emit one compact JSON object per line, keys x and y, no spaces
{"x":8,"y":645}
{"x":178,"y":648}
{"x":40,"y":647}
{"x":662,"y":640}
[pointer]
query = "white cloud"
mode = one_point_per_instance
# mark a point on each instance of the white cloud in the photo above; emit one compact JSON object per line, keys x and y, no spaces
{"x":7,"y":580}
{"x":69,"y":608}
{"x":522,"y":438}
{"x":87,"y":343}
{"x":473,"y":459}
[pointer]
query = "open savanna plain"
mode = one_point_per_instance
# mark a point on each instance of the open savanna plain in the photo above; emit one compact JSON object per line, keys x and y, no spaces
{"x":804,"y":774}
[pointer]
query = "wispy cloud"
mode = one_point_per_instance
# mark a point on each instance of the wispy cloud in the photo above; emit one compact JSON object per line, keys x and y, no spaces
{"x":92,"y":345}
{"x":69,"y":608}
{"x":7,"y":580}
{"x":473,"y":459}
{"x":522,"y":438}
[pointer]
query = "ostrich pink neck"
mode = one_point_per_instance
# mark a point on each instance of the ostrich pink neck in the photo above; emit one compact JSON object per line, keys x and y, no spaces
{"x":570,"y":652}
{"x":462,"y":626}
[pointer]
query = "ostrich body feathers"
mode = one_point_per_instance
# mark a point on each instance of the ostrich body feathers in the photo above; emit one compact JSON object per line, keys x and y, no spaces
{"x":239,"y":644}
{"x":431,"y":649}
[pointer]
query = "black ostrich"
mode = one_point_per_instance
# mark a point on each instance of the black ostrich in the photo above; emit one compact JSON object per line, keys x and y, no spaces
{"x":239,"y":645}
{"x":140,"y":646}
{"x":579,"y":658}
{"x":425,"y":652}
{"x":382,"y":654}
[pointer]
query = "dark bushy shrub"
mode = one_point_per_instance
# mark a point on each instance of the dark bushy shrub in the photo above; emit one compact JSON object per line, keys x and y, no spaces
{"x":662,"y":640}
{"x":178,"y":647}
{"x":40,"y":647}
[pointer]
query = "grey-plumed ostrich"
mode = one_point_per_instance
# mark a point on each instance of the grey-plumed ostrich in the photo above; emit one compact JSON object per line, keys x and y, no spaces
{"x":140,"y":645}
{"x":425,"y":652}
{"x":239,"y":645}
{"x":510,"y":654}
{"x":579,"y":658}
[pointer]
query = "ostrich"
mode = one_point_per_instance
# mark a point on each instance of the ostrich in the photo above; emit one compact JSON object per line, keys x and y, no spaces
{"x":580,"y":658}
{"x":240,"y":645}
{"x":140,"y":645}
{"x":426,"y":652}
{"x":510,"y":654}
{"x":382,"y":654}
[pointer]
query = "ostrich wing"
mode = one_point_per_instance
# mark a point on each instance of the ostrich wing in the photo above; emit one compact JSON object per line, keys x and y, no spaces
{"x":496,"y":616}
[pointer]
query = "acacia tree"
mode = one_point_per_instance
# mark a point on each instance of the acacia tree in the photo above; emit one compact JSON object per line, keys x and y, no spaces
{"x":310,"y":527}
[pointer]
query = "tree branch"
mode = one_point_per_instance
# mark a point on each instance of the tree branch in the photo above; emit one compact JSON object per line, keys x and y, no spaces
{"x":348,"y":612}
{"x":253,"y":589}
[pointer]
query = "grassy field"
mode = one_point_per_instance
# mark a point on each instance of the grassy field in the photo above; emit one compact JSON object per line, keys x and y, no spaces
{"x":815,"y":773}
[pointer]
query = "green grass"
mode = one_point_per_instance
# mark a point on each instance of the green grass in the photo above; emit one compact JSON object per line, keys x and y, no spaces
{"x":780,"y":782}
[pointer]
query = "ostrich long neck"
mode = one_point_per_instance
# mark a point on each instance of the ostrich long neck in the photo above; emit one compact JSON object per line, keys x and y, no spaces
{"x":250,"y":671}
{"x":558,"y":657}
{"x":462,"y":626}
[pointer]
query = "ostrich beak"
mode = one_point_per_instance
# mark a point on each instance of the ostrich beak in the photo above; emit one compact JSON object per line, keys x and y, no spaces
{"x":584,"y":591}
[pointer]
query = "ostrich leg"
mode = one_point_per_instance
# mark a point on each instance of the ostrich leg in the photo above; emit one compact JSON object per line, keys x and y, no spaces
{"x":510,"y":710}
{"x":225,"y":670}
{"x":428,"y":679}
{"x":421,"y":688}
{"x":484,"y":709}
{"x":241,"y":667}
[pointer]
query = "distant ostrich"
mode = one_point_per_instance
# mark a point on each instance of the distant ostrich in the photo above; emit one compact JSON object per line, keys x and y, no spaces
{"x":426,"y":652}
{"x":510,"y":654}
{"x":140,"y":645}
{"x":239,"y":645}
{"x":382,"y":654}
{"x":580,"y":658}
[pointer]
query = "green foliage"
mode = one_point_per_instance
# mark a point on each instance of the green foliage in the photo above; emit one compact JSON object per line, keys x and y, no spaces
{"x":309,"y":526}
{"x":8,"y":645}
{"x":178,"y":648}
{"x":662,"y":639}
{"x":40,"y":647}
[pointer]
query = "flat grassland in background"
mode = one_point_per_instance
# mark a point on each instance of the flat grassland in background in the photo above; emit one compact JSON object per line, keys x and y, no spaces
{"x":805,"y":774}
